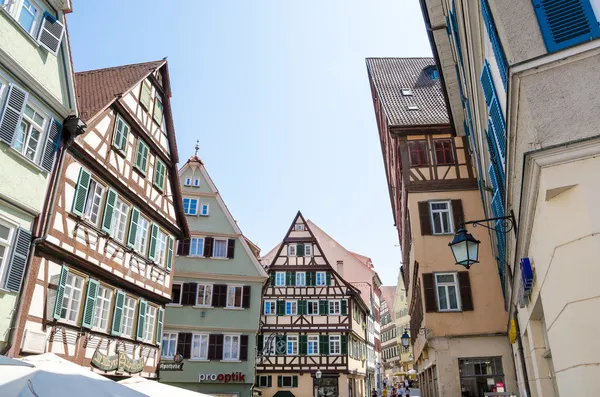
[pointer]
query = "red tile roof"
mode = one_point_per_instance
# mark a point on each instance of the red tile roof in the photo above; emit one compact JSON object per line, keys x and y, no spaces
{"x":97,"y":89}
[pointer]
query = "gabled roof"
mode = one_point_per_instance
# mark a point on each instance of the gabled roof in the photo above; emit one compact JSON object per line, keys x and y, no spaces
{"x":97,"y":89}
{"x":391,"y":75}
{"x":388,"y":294}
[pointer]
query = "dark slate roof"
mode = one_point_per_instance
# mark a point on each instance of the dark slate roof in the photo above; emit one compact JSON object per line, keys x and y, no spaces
{"x":96,"y":89}
{"x":391,"y":75}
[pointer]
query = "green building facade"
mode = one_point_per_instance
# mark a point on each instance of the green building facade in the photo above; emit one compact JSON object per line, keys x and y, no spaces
{"x":212,"y":322}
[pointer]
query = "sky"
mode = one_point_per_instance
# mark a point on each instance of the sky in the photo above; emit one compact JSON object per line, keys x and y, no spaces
{"x":278,"y":96}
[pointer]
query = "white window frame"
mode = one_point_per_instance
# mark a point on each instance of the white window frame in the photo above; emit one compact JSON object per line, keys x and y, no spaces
{"x":196,"y":182}
{"x":205,"y":296}
{"x":180,"y":293}
{"x":126,"y":310}
{"x":161,"y":247}
{"x":215,"y":248}
{"x":315,"y":341}
{"x":266,"y":380}
{"x":7,"y":244}
{"x":448,"y":211}
{"x":119,"y":134}
{"x":103,"y":306}
{"x":68,"y":298}
{"x":300,"y":279}
{"x":334,"y":303}
{"x":150,"y":323}
{"x":308,"y":250}
{"x":41,"y":142}
{"x":293,"y":339}
{"x":445,"y":286}
{"x":272,"y":304}
{"x":279,"y":277}
{"x":188,"y":182}
{"x":203,"y":338}
{"x":118,"y":227}
{"x":191,"y":200}
{"x":167,"y":337}
{"x":36,"y":19}
{"x":195,"y":254}
{"x":335,"y":339}
{"x":323,"y":279}
{"x":293,"y":305}
{"x":202,"y":207}
{"x":141,"y":236}
{"x":231,"y":351}
{"x":315,"y":303}
{"x":234,"y":287}
{"x":292,"y":250}
{"x":300,"y":227}
{"x":285,"y":377}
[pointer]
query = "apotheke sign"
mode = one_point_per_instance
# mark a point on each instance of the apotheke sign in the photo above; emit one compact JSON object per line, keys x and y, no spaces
{"x":223,"y":378}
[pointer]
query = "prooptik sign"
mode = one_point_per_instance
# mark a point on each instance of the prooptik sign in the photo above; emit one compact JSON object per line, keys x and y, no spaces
{"x":222,"y":378}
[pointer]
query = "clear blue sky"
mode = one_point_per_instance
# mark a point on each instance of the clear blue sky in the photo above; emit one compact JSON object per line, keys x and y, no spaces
{"x":277,"y":93}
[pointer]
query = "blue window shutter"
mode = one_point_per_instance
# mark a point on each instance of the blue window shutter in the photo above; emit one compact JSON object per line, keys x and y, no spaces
{"x":564,"y":23}
{"x":18,"y":260}
{"x":496,"y":163}
{"x":81,"y":192}
{"x":499,"y":127}
{"x":12,"y":113}
{"x":52,"y":142}
{"x":60,"y":292}
{"x":455,"y":33}
{"x":497,"y":204}
{"x":487,"y":84}
{"x":495,"y":40}
{"x":90,"y":304}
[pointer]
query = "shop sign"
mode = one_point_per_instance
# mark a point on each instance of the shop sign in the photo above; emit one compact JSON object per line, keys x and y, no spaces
{"x":119,"y":362}
{"x":177,"y":365}
{"x":222,"y":378}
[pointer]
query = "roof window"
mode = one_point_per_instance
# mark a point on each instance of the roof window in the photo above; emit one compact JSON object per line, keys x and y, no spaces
{"x":433,"y":72}
{"x":407,"y":92}
{"x":413,"y":107}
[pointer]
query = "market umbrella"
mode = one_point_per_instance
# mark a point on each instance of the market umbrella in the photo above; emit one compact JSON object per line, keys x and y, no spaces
{"x":154,"y":389}
{"x":411,"y":372}
{"x":53,"y":376}
{"x":11,"y":361}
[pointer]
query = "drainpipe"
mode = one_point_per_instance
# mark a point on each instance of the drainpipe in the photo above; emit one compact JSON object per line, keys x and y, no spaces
{"x":74,"y":127}
{"x":522,"y":357}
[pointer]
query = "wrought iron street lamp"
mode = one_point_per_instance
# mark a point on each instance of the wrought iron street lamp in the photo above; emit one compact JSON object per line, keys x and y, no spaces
{"x":318,"y":375}
{"x":465,"y":247}
{"x":405,"y":340}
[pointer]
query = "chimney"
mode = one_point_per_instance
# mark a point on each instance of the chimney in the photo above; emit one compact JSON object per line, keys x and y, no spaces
{"x":340,"y":268}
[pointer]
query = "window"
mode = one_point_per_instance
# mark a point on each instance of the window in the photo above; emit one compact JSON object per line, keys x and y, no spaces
{"x":444,"y":154}
{"x":188,"y":182}
{"x":121,"y":133}
{"x":300,"y":279}
{"x":29,"y":137}
{"x":93,"y":202}
{"x":479,"y":376}
{"x":141,"y":237}
{"x":220,"y":249}
{"x":161,"y":247}
{"x":334,"y":308}
{"x":197,"y":246}
{"x":335,"y":344}
{"x":72,"y":298}
{"x":413,"y":107}
{"x":299,"y":227}
{"x":418,"y":153}
{"x":291,"y":308}
{"x":176,"y":294}
{"x":432,"y":72}
{"x":102,"y":310}
{"x":280,"y":279}
{"x":204,"y":295}
{"x":264,"y":381}
{"x":231,"y":347}
{"x":270,"y":308}
{"x":190,"y":206}
{"x":128,"y":316}
{"x":313,"y":345}
{"x":204,"y":209}
{"x":145,"y":94}
{"x":169,"y":345}
{"x":288,"y":381}
{"x":441,"y":218}
{"x":234,"y":296}
{"x":321,"y":279}
{"x":158,"y":110}
{"x":312,"y":308}
{"x":307,"y":249}
{"x":141,"y":156}
{"x":6,"y":239}
{"x":447,"y":291}
{"x":119,"y":221}
{"x":407,"y":92}
{"x":196,"y":182}
{"x":199,"y":347}
{"x":150,"y":322}
{"x":292,"y":345}
{"x":27,"y":16}
{"x":159,"y":174}
{"x":291,"y":249}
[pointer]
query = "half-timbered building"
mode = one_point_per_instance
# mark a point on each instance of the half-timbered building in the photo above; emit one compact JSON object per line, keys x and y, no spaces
{"x":312,"y":320}
{"x":101,"y":275}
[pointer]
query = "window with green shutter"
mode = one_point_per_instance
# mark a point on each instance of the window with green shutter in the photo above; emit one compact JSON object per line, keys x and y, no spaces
{"x":153,"y":241}
{"x":109,"y":209}
{"x":141,"y":156}
{"x":159,"y":326}
{"x":324,"y":345}
{"x":120,"y":135}
{"x":145,"y":95}
{"x":118,"y":314}
{"x":344,"y":344}
{"x":141,"y":323}
{"x":159,"y":174}
{"x":133,"y":227}
{"x":158,"y":110}
{"x":323,"y":308}
{"x":299,"y":249}
{"x":60,"y":292}
{"x":303,"y":344}
{"x":81,"y":191}
{"x":328,"y":278}
{"x":280,"y":308}
{"x":90,"y":303}
{"x":301,"y":307}
{"x":344,"y":307}
{"x":290,"y":278}
{"x":169,"y":253}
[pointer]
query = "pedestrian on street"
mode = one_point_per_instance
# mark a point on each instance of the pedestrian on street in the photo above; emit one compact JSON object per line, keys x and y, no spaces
{"x":407,"y":392}
{"x":374,"y":393}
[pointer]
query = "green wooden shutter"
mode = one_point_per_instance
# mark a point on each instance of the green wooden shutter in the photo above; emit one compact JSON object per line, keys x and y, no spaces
{"x":324,"y":348}
{"x":109,"y":208}
{"x":141,"y":319}
{"x":344,"y":307}
{"x":323,"y":309}
{"x":60,"y":292}
{"x":269,"y":381}
{"x":344,"y":344}
{"x":169,"y":253}
{"x":141,"y":157}
{"x":159,"y":174}
{"x":294,"y":381}
{"x":133,"y":227}
{"x":118,"y":314}
{"x":279,"y":381}
{"x":310,"y":279}
{"x":288,"y":278}
{"x":81,"y":192}
{"x":159,"y":325}
{"x":292,"y":278}
{"x":303,"y":344}
{"x":280,"y":308}
{"x":328,"y":277}
{"x":90,"y":304}
{"x":17,"y":260}
{"x":301,"y":307}
{"x":152,"y":245}
{"x":272,"y":277}
{"x":260,"y":342}
{"x":299,"y":249}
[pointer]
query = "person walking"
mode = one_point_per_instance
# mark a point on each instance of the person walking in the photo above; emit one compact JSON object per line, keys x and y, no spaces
{"x":374,"y":393}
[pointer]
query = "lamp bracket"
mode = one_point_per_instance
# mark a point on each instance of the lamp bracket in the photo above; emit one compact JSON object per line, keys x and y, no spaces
{"x":508,"y":223}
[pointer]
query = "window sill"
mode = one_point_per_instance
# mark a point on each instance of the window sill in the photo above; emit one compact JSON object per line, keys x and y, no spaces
{"x":233,"y":308}
{"x":198,"y":360}
{"x":231,"y":361}
{"x":21,"y":28}
{"x":119,"y":151}
{"x":450,"y":311}
{"x":141,"y":172}
{"x":174,"y":305}
{"x":219,"y":259}
{"x":203,"y":307}
{"x":167,"y":357}
{"x":28,"y":161}
{"x":161,"y":190}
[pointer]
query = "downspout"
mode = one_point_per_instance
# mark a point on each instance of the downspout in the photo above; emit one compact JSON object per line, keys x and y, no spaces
{"x":44,"y":219}
{"x":522,"y":357}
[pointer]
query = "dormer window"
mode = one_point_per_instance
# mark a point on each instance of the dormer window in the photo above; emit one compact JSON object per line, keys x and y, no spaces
{"x":407,"y":92}
{"x":433,"y":72}
{"x":413,"y":107}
